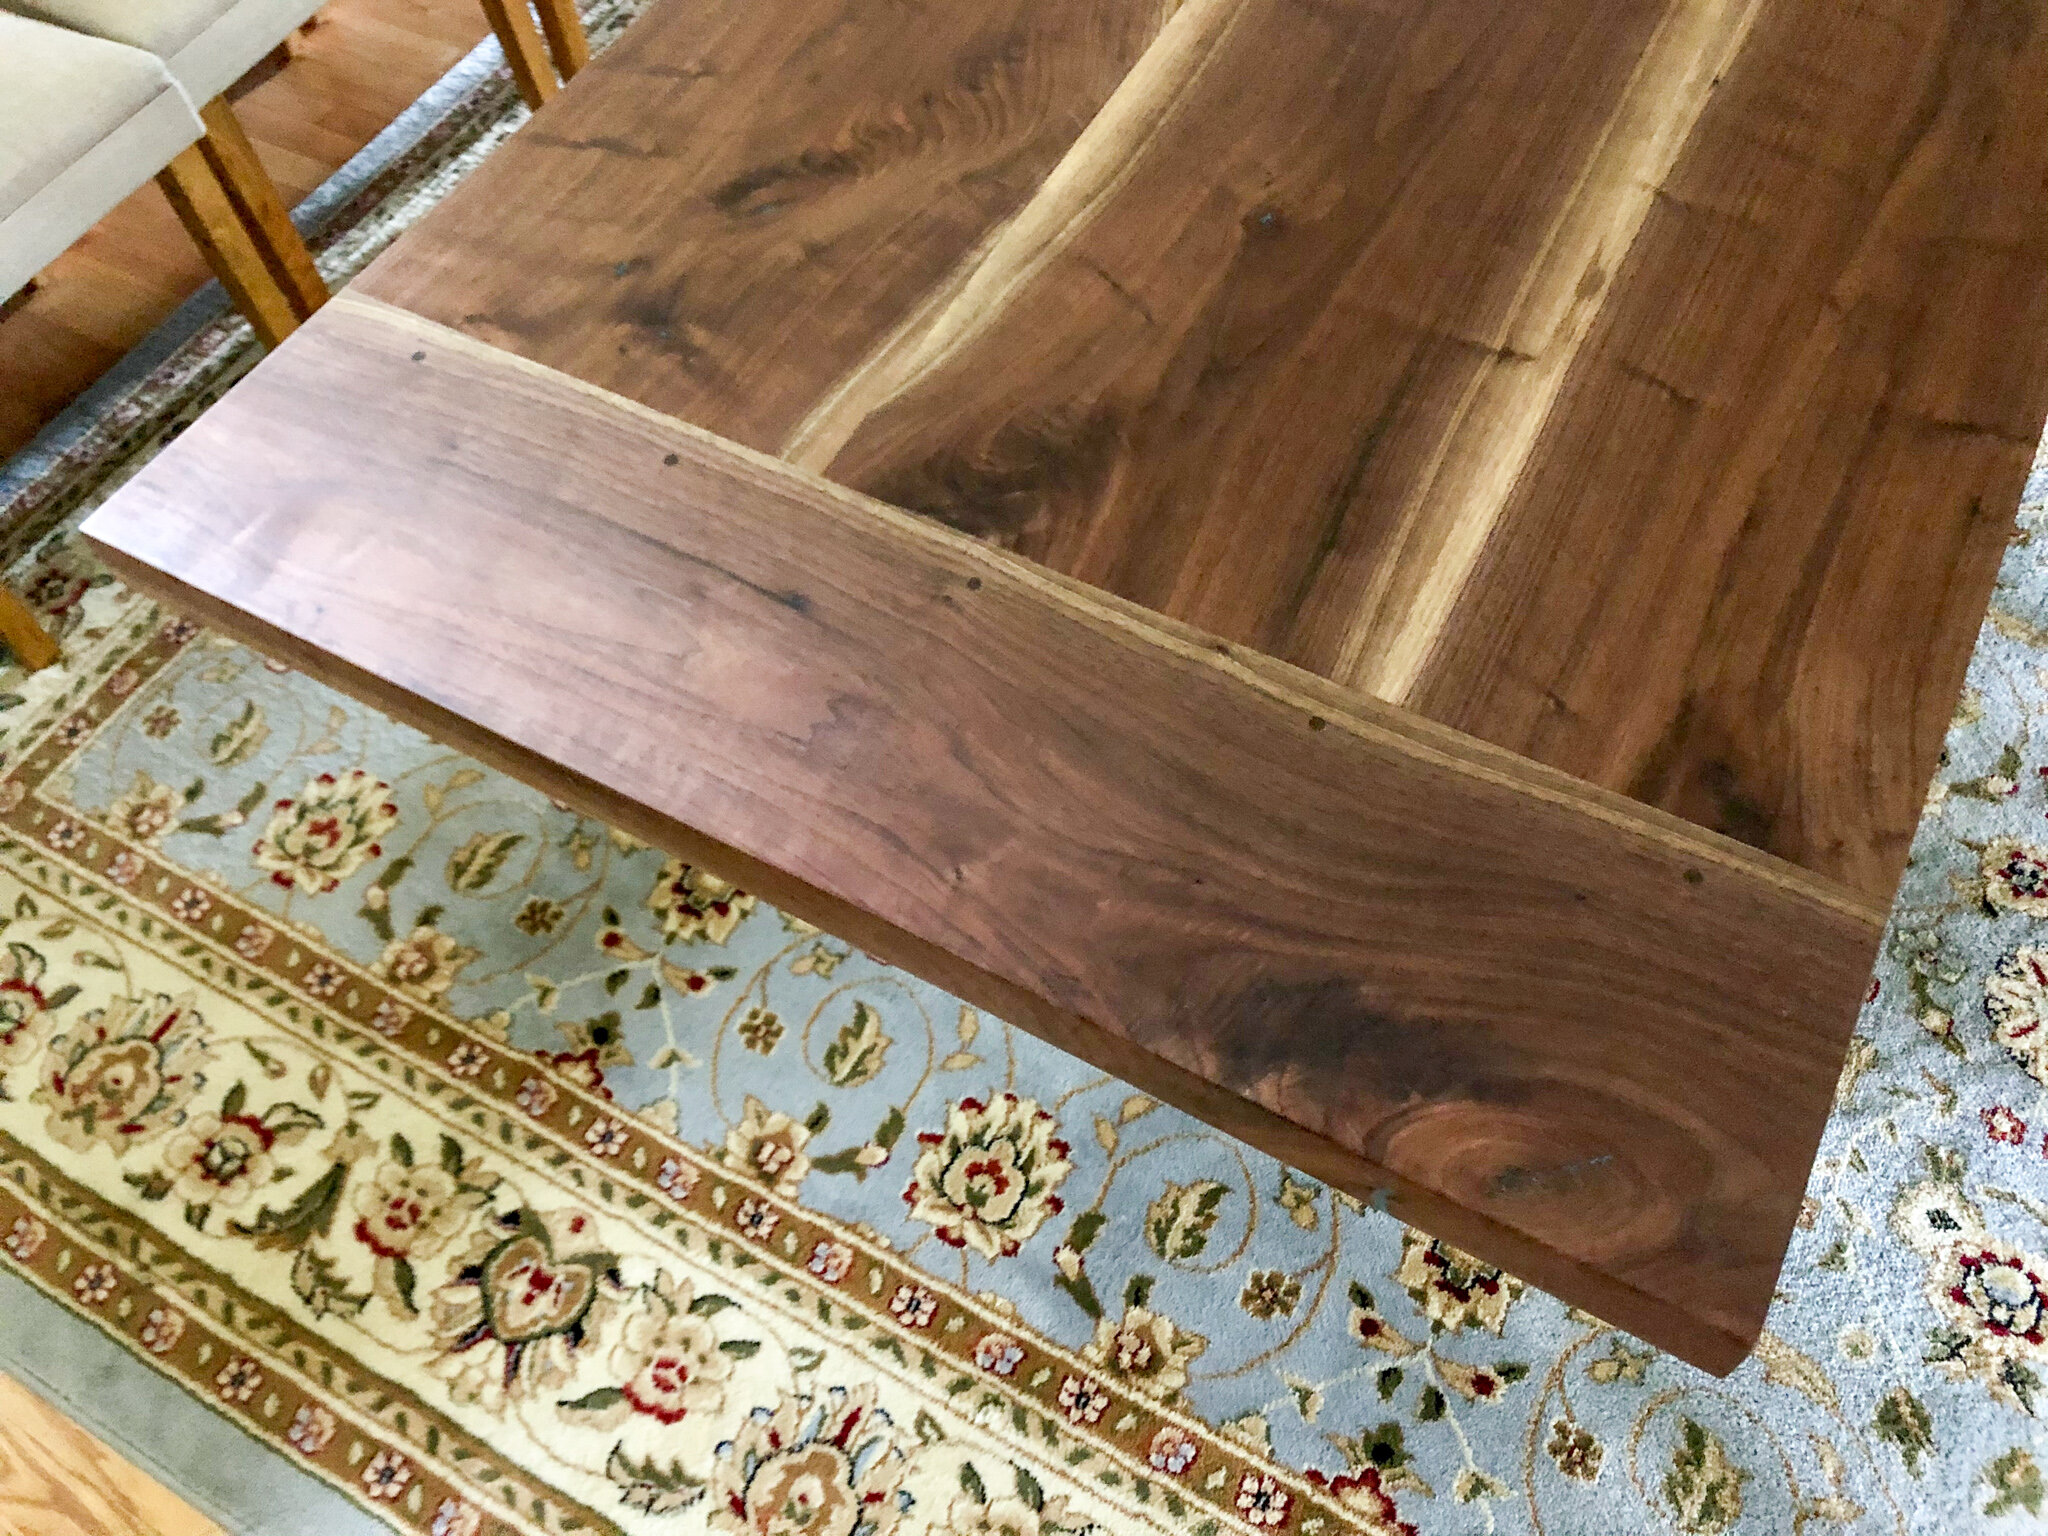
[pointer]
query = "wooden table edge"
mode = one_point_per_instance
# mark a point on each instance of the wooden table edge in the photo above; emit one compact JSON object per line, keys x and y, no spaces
{"x":1715,"y":1349}
{"x":1846,"y":925}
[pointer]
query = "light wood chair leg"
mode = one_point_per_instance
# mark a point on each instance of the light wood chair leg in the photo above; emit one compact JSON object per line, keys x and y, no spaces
{"x":24,"y":632}
{"x":564,"y":27}
{"x":513,"y":23}
{"x":249,"y":187}
{"x":209,"y":216}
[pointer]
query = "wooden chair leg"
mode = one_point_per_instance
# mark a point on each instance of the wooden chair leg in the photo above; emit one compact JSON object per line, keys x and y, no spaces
{"x":24,"y":632}
{"x":564,"y":27}
{"x":513,"y":23}
{"x":209,"y":216}
{"x":254,"y":195}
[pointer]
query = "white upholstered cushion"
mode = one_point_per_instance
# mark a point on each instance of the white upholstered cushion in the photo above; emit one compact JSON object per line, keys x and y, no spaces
{"x":209,"y":44}
{"x":83,"y":122}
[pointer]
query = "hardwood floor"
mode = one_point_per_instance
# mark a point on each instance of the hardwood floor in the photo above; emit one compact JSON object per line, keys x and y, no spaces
{"x":356,"y":66}
{"x":58,"y":1480}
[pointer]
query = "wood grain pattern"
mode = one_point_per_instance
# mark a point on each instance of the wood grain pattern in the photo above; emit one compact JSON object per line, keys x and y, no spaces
{"x":562,"y":23}
{"x":263,"y":214}
{"x":1390,"y":953}
{"x":211,"y":218}
{"x":1642,"y":385}
{"x":525,"y":55}
{"x":1370,"y":290}
{"x":1744,"y":569}
{"x":723,"y":250}
{"x":58,"y":1480}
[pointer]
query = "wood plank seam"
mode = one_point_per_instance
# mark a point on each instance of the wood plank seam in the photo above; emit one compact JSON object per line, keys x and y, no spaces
{"x":1385,"y":653}
{"x":1110,"y":149}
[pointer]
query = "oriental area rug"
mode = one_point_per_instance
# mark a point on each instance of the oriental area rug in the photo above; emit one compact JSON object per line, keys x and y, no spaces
{"x":505,"y":1174}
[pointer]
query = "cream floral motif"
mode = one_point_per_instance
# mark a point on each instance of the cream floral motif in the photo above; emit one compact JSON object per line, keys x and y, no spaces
{"x":424,"y":964}
{"x":219,"y":1162}
{"x":124,"y":1073}
{"x":327,"y":832}
{"x":527,"y":1301}
{"x":1990,"y":1298}
{"x":147,"y":811}
{"x":386,"y":1475}
{"x":668,"y":1359}
{"x":1993,"y":1294}
{"x":675,"y":1178}
{"x":1173,"y":1451}
{"x":2016,"y":998}
{"x":411,"y":1210}
{"x":536,"y":1096}
{"x":2015,"y":876}
{"x":1084,"y":1399}
{"x":999,"y":1353}
{"x":756,"y":1219}
{"x":830,"y":1261}
{"x":311,"y":1428}
{"x":25,"y":1238}
{"x":1262,"y":1501}
{"x":914,"y":1306}
{"x":769,"y":1145}
{"x":694,"y":905}
{"x":666,"y":1380}
{"x":220,"y":1159}
{"x":1145,"y":1348}
{"x":986,"y":1181}
{"x":829,"y":1465}
{"x":238,"y":1380}
{"x":1453,"y":1290}
{"x":161,"y":1330}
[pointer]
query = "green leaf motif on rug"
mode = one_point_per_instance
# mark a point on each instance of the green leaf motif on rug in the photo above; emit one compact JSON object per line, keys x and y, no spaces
{"x":856,"y":1053}
{"x":1704,"y":1486}
{"x":1904,"y":1420}
{"x":241,"y":738}
{"x":218,"y":824}
{"x":1178,"y":1222}
{"x":651,"y":1487}
{"x":2015,"y":1480}
{"x":476,"y":863}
